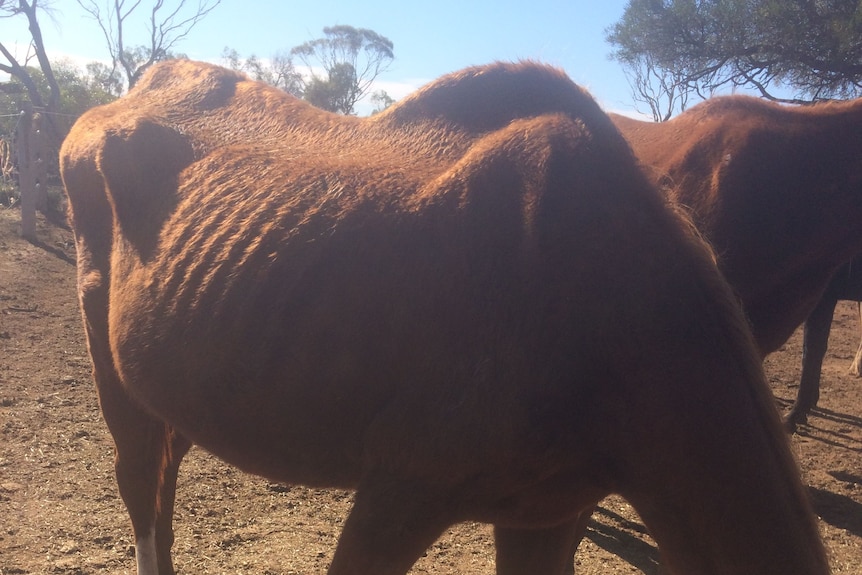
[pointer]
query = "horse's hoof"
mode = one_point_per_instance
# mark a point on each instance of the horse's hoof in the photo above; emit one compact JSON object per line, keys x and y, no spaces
{"x":792,"y":420}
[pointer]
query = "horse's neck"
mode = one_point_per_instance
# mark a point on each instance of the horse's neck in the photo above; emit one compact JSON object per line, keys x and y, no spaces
{"x":735,"y":457}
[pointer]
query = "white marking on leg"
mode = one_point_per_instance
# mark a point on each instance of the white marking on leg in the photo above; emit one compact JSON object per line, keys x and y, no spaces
{"x":145,"y":554}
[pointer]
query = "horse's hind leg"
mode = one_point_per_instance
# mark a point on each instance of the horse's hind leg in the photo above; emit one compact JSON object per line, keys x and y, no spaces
{"x":856,"y":366}
{"x":580,"y":533}
{"x":147,"y":458}
{"x":177,"y":447}
{"x":815,"y":340}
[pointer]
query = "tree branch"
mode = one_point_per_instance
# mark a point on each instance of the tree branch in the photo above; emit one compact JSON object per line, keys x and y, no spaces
{"x":166,"y":29}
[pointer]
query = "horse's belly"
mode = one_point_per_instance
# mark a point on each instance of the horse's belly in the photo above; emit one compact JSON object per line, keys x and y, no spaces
{"x":290,"y":415}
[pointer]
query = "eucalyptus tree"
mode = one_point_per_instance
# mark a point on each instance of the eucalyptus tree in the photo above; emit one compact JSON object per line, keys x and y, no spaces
{"x":789,"y":50}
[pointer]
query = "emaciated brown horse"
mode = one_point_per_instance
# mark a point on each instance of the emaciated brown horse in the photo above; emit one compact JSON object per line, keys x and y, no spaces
{"x":776,"y":190}
{"x":472,"y":306}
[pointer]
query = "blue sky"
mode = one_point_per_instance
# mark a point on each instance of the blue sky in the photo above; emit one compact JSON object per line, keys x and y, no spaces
{"x":431,"y":38}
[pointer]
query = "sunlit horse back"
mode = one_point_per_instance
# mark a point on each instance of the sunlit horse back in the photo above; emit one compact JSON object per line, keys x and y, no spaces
{"x":470,"y":307}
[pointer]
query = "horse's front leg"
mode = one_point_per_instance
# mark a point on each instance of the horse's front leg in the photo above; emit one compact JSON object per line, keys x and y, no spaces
{"x":390,"y":526}
{"x":548,"y":551}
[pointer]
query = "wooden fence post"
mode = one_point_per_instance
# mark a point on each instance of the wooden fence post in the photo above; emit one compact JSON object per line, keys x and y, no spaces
{"x":26,"y":175}
{"x":40,"y":165}
{"x":32,"y":170}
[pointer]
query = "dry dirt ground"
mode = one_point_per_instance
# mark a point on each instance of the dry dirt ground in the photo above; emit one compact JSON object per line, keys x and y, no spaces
{"x":60,"y":511}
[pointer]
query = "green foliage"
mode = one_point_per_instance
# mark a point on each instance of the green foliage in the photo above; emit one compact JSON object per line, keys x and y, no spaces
{"x":104,"y":78}
{"x":381,"y":101}
{"x":279,"y":72}
{"x":335,"y":93}
{"x":79,"y":91}
{"x":341,"y":68}
{"x":351,"y":59}
{"x":814,"y":47}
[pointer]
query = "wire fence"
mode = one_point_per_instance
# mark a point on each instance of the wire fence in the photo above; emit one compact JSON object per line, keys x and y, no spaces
{"x":9,"y":148}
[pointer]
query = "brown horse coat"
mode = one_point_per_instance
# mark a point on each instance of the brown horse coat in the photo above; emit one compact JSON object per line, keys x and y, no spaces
{"x":777,"y":191}
{"x":472,"y":306}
